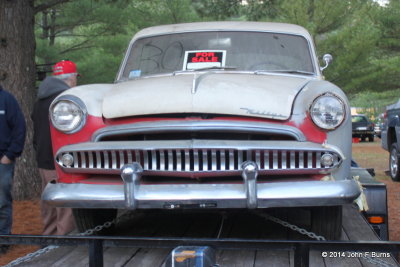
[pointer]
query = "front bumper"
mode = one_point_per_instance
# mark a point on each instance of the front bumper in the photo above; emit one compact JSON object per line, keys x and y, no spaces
{"x":246,"y":195}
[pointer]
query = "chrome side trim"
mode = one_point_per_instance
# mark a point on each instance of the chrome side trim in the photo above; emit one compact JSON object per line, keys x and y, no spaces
{"x":223,"y":126}
{"x":282,"y":194}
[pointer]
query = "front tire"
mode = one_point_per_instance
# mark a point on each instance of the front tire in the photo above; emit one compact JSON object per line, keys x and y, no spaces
{"x":86,"y":219}
{"x":327,"y":222}
{"x":394,"y":162}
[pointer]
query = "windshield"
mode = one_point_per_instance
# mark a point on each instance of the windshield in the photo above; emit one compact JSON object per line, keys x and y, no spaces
{"x":358,"y":119}
{"x":242,"y":51}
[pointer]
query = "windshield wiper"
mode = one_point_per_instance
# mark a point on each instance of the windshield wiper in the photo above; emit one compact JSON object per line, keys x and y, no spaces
{"x":216,"y":68}
{"x":206,"y":68}
{"x":284,"y":71}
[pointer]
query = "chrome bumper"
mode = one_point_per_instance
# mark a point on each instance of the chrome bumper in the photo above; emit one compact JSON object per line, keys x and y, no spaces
{"x":248,"y":195}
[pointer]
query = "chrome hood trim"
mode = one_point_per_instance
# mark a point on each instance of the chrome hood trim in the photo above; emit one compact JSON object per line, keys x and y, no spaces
{"x":267,"y":96}
{"x":213,"y":126}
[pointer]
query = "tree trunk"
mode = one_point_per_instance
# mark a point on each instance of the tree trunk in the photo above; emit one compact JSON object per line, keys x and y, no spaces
{"x":18,"y":75}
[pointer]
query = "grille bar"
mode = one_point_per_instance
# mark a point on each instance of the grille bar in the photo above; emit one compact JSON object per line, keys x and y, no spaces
{"x":197,"y":160}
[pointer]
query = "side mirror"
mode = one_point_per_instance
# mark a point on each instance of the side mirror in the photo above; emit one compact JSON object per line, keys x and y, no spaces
{"x":327,"y":58}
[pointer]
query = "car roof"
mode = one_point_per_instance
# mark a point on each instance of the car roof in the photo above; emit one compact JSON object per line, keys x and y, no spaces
{"x":224,"y":26}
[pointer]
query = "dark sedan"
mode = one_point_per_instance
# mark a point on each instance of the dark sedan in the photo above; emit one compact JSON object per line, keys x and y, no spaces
{"x":363,"y":127}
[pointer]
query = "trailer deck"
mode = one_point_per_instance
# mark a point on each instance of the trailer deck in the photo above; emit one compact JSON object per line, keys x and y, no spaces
{"x":237,"y":225}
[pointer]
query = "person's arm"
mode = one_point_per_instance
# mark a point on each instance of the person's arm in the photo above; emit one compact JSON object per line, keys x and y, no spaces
{"x":16,"y":120}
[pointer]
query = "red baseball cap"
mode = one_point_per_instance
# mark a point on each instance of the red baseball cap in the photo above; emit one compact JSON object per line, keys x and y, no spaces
{"x":64,"y":67}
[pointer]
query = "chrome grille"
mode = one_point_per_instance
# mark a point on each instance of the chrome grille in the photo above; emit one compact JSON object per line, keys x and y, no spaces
{"x":188,"y":161}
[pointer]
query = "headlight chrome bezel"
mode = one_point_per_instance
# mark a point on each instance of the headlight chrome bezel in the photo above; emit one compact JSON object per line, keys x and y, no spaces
{"x":318,"y":122}
{"x":74,"y":100}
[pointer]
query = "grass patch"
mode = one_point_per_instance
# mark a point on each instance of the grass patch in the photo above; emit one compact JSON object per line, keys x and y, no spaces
{"x":372,"y":155}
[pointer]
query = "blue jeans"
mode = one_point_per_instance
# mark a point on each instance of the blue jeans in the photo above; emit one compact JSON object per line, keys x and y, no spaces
{"x":6,"y":181}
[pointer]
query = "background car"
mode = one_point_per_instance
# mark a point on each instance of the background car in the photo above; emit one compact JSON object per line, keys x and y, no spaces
{"x":389,"y":140}
{"x":378,"y":129}
{"x":363,"y":127}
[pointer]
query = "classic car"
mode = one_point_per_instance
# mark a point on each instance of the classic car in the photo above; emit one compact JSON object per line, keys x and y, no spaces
{"x":207,"y":116}
{"x":363,"y":127}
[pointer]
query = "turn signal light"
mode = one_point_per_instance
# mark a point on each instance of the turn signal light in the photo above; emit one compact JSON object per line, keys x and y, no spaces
{"x":376,"y":219}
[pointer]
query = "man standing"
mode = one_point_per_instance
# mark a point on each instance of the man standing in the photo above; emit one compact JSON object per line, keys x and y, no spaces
{"x":56,"y":221}
{"x":12,"y":139}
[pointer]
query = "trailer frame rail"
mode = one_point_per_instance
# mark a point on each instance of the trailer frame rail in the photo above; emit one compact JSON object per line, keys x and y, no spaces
{"x":301,"y":248}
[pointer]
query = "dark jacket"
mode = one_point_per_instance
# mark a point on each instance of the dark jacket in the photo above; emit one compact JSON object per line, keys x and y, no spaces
{"x":49,"y":89}
{"x":12,"y":126}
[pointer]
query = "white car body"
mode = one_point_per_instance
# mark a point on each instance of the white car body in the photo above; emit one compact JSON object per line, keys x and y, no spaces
{"x":237,"y":134}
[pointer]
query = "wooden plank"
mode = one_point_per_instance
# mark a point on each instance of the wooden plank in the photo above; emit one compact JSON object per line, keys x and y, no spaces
{"x":203,"y":225}
{"x":77,"y":258}
{"x":236,"y":225}
{"x":273,"y":258}
{"x":148,"y":257}
{"x":343,"y":261}
{"x":117,"y":257}
{"x":207,"y":225}
{"x":291,"y":259}
{"x":357,"y":229}
{"x":249,"y":225}
{"x":236,"y":258}
{"x":316,"y":258}
{"x":272,"y":230}
{"x":135,"y":225}
{"x":301,"y":218}
{"x":171,"y":226}
{"x":355,"y":225}
{"x":49,"y":258}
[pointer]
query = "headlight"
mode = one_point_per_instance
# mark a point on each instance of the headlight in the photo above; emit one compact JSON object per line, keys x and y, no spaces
{"x":68,"y":114}
{"x":328,"y":111}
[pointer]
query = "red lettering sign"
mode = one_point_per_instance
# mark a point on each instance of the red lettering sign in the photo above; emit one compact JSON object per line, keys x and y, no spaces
{"x":205,"y":57}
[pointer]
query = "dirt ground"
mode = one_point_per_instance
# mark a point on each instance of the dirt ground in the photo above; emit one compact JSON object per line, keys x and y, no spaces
{"x":371,"y":155}
{"x":27,"y":218}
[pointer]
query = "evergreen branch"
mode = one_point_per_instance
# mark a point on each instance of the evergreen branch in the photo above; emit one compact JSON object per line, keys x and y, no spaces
{"x":76,"y":48}
{"x":48,"y":5}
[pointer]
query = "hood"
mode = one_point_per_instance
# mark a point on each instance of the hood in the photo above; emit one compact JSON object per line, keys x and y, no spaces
{"x":51,"y":86}
{"x":267,"y":96}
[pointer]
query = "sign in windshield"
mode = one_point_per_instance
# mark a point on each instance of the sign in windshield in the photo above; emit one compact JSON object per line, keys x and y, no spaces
{"x":204,"y":59}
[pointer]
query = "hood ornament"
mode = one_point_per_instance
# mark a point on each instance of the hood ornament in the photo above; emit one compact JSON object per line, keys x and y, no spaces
{"x":197,"y":79}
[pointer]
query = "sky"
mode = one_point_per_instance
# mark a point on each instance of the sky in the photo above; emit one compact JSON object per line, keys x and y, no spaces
{"x":382,"y":2}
